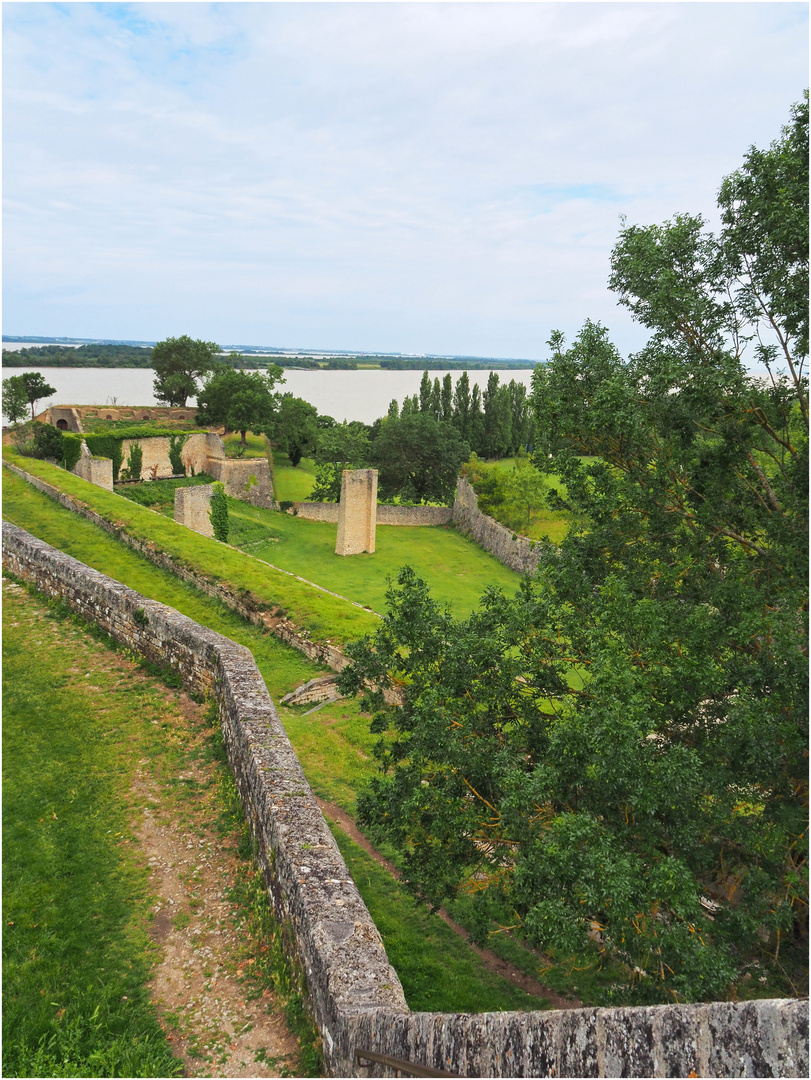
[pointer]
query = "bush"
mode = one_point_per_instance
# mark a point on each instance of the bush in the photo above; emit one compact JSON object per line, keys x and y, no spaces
{"x":219,"y":513}
{"x":39,"y":440}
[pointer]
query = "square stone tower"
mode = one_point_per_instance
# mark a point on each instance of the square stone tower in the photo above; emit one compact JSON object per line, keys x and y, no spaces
{"x":357,"y":512}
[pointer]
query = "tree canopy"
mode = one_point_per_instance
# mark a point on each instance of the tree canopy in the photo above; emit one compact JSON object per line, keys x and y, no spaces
{"x":239,"y":400}
{"x":614,"y":762}
{"x":417,"y":459}
{"x":24,"y":390}
{"x":178,"y":364}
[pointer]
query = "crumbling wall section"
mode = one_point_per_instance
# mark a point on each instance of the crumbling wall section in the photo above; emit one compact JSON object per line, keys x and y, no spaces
{"x":192,"y":506}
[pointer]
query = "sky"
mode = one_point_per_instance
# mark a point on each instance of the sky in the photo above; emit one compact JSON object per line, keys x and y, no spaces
{"x":402,"y":177}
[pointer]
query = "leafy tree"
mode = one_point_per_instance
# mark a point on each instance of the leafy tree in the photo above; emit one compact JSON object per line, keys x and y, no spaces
{"x":178,"y":364}
{"x":435,"y":403}
{"x":476,"y":421}
{"x":239,"y":400}
{"x":22,"y":390}
{"x":418,"y":459}
{"x":620,"y":751}
{"x":15,"y":400}
{"x":344,"y":446}
{"x":295,"y":428}
{"x":446,"y":398}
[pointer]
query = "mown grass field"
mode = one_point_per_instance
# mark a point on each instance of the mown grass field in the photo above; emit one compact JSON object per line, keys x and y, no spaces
{"x":333,"y":744}
{"x":456,"y":569}
{"x":293,"y":484}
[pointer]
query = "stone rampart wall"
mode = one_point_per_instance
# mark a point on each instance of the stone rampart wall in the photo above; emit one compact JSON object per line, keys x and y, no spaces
{"x":196,"y":454}
{"x":516,"y":552}
{"x":386,"y":515}
{"x":356,"y":997}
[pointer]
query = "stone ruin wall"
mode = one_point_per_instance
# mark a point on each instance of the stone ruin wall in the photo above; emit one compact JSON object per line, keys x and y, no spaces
{"x":386,"y":515}
{"x":357,"y":512}
{"x":356,"y":997}
{"x":96,"y":470}
{"x":516,"y":552}
{"x":192,"y":506}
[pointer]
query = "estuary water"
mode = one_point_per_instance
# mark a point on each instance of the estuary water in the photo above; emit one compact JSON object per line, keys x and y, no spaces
{"x":345,"y":395}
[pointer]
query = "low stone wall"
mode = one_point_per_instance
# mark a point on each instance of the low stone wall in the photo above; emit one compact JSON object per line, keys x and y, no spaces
{"x":386,"y":515}
{"x":356,"y":996}
{"x":192,"y":508}
{"x":516,"y":552}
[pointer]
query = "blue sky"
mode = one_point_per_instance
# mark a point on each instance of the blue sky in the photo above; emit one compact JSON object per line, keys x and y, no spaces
{"x":411,"y":177}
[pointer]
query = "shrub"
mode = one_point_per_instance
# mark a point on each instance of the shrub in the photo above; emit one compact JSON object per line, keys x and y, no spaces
{"x":219,"y":513}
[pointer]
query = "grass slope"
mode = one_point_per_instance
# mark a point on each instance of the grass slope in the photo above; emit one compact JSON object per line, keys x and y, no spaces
{"x":333,"y":744}
{"x":322,"y":615}
{"x":75,"y":950}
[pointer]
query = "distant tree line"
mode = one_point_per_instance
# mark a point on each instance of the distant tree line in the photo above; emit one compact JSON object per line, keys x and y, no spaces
{"x":101,"y":356}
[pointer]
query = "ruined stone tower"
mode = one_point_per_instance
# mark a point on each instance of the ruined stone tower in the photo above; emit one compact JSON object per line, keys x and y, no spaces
{"x":357,"y":513}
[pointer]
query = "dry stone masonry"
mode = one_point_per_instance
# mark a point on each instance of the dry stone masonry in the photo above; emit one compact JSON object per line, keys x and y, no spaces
{"x":192,"y":506}
{"x":356,"y":997}
{"x":357,"y":512}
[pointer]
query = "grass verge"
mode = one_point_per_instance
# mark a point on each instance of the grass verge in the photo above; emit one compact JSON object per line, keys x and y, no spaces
{"x":76,"y":953}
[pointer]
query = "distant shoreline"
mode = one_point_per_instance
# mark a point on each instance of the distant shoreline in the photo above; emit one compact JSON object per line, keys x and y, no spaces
{"x":106,"y":353}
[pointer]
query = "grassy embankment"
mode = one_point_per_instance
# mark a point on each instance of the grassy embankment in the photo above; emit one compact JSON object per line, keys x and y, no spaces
{"x":334,"y":746}
{"x":76,"y":953}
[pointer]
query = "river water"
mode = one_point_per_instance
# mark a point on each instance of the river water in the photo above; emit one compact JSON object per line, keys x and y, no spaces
{"x":345,"y":395}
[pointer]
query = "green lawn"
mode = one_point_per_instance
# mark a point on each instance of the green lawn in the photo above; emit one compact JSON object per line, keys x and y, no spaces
{"x":457,"y":570}
{"x":76,"y":955}
{"x":293,"y":485}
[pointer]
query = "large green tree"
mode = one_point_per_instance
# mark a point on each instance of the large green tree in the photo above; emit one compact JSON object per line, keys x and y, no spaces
{"x":178,"y":364}
{"x":616,"y":759}
{"x":295,"y":429}
{"x":339,"y":447}
{"x":21,"y":390}
{"x":418,"y":459}
{"x":240,"y":401}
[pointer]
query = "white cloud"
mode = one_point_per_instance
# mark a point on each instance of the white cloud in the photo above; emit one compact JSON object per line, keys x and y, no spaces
{"x":426,"y":177}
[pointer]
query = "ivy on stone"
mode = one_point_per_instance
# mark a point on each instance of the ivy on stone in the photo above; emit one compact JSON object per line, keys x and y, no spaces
{"x":218,"y":513}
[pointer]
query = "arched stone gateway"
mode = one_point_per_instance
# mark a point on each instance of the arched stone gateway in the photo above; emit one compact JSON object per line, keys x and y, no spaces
{"x":62,"y":425}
